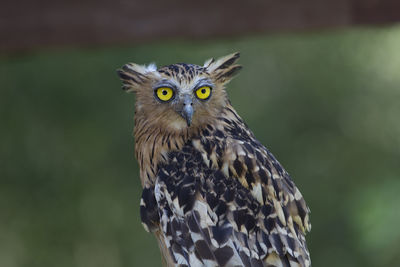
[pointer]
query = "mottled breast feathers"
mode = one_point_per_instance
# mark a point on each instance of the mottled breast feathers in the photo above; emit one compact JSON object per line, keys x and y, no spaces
{"x":224,"y":200}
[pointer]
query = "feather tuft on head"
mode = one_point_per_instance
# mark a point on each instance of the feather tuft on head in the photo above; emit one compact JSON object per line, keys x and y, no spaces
{"x":133,"y":75}
{"x":151,"y":67}
{"x":224,"y":68}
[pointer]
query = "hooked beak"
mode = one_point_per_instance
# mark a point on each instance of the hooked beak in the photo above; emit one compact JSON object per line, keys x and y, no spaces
{"x":187,"y":110}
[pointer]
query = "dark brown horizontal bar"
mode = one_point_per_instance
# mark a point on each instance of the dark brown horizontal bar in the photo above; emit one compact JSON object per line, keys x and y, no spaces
{"x":26,"y":25}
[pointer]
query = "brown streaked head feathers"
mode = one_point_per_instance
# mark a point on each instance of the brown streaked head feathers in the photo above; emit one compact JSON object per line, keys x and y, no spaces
{"x":184,"y":79}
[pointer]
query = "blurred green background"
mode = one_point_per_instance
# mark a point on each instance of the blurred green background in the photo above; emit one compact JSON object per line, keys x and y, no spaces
{"x":327,"y":104}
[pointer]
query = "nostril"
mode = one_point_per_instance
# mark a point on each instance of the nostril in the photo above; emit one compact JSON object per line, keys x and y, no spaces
{"x":191,"y":104}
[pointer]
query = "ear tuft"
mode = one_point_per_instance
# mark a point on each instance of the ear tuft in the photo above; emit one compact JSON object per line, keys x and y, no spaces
{"x":224,"y":68}
{"x":208,"y":62}
{"x":226,"y":76}
{"x":134,"y":75}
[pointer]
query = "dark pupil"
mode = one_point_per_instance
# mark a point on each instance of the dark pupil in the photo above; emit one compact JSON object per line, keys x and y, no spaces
{"x":164,"y":92}
{"x":203,"y":91}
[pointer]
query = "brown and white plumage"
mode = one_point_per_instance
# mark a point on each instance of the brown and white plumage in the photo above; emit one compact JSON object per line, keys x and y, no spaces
{"x":212,"y":193}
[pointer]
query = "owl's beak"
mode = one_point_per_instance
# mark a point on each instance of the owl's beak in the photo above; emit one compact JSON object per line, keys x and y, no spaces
{"x":187,"y":110}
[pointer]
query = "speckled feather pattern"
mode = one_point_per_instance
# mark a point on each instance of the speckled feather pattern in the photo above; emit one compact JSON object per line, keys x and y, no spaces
{"x":213,"y":194}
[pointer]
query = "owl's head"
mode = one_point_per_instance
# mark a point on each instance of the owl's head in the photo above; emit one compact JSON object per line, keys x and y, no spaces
{"x":179,"y":96}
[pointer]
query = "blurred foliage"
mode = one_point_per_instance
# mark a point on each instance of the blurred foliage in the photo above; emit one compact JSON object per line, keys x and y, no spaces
{"x":326,"y":104}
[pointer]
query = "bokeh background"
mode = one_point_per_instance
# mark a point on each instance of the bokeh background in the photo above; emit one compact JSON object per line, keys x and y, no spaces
{"x":320,"y":88}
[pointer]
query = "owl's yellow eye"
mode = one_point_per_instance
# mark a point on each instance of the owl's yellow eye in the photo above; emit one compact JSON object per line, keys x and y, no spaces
{"x":203,"y":92}
{"x":164,"y":93}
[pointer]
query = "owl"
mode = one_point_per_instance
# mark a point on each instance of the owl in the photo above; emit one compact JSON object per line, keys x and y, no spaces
{"x":213,"y":195}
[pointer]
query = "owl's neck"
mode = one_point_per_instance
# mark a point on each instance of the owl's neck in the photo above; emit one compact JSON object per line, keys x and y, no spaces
{"x":152,"y":143}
